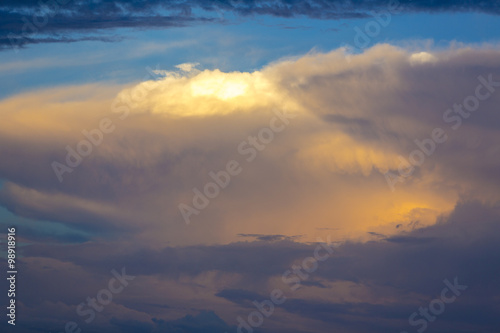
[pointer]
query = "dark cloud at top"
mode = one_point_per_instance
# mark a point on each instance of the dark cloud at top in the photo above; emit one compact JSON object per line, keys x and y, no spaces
{"x":30,"y":22}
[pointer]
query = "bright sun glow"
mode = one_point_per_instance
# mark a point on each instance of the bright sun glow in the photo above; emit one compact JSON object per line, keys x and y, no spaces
{"x":222,"y":86}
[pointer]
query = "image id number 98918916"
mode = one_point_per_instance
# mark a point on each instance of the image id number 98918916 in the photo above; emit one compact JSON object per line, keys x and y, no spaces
{"x":11,"y":275}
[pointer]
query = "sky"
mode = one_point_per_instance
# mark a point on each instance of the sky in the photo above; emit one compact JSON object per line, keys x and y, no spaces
{"x":267,"y":166}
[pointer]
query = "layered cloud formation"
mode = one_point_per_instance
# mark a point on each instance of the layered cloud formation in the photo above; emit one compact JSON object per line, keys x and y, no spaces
{"x":352,"y":118}
{"x":315,"y":139}
{"x":363,"y":287}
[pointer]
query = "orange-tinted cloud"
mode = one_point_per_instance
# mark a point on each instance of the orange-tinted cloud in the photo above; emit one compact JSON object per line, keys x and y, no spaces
{"x":355,"y":115}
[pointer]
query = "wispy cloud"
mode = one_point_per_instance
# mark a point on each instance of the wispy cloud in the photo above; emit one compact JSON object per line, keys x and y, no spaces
{"x":30,"y":22}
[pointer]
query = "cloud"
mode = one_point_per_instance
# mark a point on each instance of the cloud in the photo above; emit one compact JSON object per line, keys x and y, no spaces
{"x":25,"y":24}
{"x":22,"y":42}
{"x":242,"y":297}
{"x":204,"y":322}
{"x":268,"y":238}
{"x":364,"y":287}
{"x":86,"y":214}
{"x":188,"y":66}
{"x":47,"y":23}
{"x":322,"y":175}
{"x":349,"y":129}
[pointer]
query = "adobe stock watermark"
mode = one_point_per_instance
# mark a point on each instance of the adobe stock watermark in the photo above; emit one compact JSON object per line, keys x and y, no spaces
{"x":453,"y":116}
{"x":291,"y":277}
{"x":96,"y":304}
{"x":364,"y":36}
{"x":250,"y":148}
{"x":38,"y":21}
{"x":436,"y":307}
{"x":121,"y":105}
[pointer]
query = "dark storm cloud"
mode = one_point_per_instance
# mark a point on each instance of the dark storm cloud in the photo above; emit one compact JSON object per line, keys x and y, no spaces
{"x":405,"y":239}
{"x":204,"y":322}
{"x":381,"y":318}
{"x":242,"y":258}
{"x":239,"y":296}
{"x":399,"y":276}
{"x":268,"y":238}
{"x":5,"y":43}
{"x":34,"y":24}
{"x":31,"y":22}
